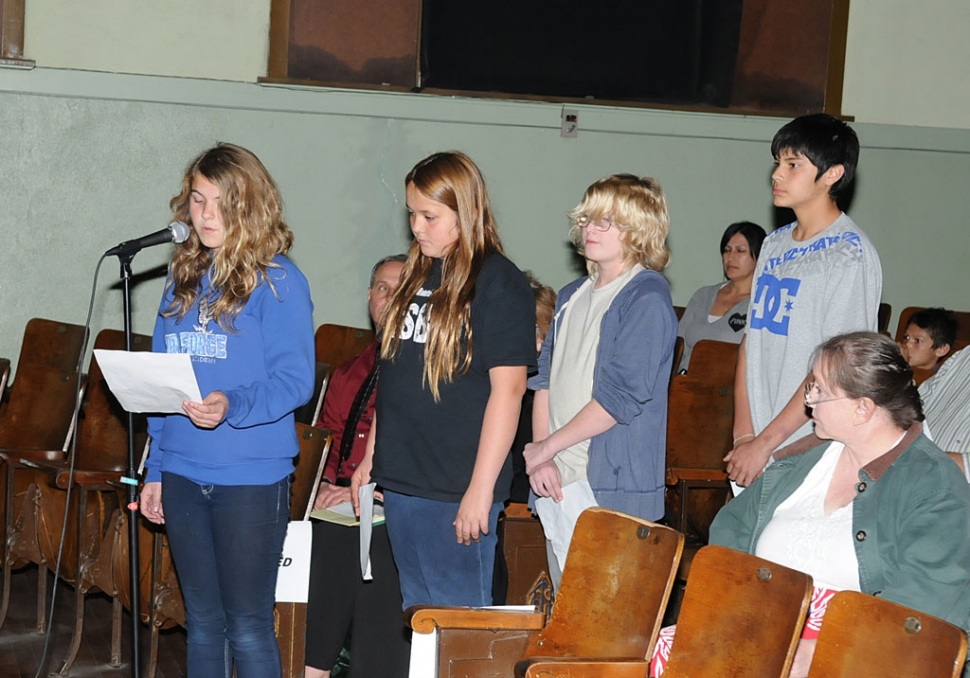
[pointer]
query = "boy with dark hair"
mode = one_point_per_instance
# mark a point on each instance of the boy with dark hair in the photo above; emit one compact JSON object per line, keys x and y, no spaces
{"x":929,"y":337}
{"x":817,"y":277}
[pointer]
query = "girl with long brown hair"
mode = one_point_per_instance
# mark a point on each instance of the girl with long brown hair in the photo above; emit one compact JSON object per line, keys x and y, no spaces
{"x":458,"y":343}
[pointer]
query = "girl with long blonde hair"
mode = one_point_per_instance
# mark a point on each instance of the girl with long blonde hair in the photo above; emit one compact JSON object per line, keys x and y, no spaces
{"x":242,"y":311}
{"x":458,"y":343}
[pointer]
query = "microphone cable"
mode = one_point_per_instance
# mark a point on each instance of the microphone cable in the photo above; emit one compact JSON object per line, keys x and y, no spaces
{"x":70,"y":478}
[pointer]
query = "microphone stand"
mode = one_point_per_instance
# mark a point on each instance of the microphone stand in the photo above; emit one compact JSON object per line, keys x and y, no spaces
{"x":131,"y":486}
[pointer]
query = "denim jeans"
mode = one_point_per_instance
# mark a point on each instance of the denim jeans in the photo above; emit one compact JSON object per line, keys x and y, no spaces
{"x":226,"y":542}
{"x":434,"y":568}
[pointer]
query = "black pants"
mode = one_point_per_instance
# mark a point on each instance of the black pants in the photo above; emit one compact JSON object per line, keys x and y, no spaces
{"x":339,"y":598}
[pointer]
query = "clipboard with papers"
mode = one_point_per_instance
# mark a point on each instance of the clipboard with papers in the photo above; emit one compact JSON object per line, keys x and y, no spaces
{"x":343,"y":514}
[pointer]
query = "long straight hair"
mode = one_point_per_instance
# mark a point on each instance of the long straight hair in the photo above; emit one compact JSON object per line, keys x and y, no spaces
{"x":452,"y":179}
{"x":252,"y":214}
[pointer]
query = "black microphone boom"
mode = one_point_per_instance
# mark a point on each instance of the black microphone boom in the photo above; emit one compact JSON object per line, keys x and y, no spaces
{"x":177,"y":231}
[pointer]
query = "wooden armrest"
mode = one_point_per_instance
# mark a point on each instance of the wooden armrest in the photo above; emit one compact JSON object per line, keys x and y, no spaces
{"x":51,"y":467}
{"x":88,"y":480}
{"x":580,"y":667}
{"x":516,"y":510}
{"x":16,"y":456}
{"x":427,"y":619}
{"x":60,"y":475}
{"x":677,"y":475}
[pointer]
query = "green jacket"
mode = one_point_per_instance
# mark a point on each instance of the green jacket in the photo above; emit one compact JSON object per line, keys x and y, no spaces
{"x":910,"y":516}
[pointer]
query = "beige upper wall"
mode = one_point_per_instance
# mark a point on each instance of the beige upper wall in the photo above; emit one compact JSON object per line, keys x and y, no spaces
{"x":905,"y":61}
{"x":215,"y":39}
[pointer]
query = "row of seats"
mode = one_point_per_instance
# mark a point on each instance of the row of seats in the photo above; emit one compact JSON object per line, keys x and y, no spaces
{"x":36,"y":428}
{"x":741,"y":617}
{"x":36,"y":423}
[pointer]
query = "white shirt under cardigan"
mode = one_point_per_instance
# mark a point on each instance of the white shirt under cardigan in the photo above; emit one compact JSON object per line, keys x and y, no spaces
{"x":573,"y":363}
{"x":801,"y":536}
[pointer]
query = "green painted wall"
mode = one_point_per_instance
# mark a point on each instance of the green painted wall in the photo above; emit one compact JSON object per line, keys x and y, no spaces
{"x":90,"y":159}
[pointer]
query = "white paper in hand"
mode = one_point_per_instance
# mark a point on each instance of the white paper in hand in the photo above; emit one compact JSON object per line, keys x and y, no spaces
{"x":149,"y":382}
{"x":366,"y":494}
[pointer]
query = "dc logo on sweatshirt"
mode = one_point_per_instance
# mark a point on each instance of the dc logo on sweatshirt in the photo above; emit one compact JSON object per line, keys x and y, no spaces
{"x":773,"y":304}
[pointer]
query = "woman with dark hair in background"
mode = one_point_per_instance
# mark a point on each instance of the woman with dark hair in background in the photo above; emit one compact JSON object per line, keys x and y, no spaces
{"x":720,"y":311}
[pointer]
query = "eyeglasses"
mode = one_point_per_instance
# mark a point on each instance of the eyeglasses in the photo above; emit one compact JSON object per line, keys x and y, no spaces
{"x":811,"y":388}
{"x":601,"y":225}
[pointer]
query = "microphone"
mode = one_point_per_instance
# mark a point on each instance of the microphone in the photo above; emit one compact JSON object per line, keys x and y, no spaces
{"x":177,"y":231}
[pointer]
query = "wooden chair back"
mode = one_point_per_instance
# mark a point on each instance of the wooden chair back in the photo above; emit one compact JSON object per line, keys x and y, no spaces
{"x":40,"y":409}
{"x":678,"y":356}
{"x":4,"y":378}
{"x":336,"y":344}
{"x":865,"y":636}
{"x":314,"y":447}
{"x":310,"y":412}
{"x":523,"y":545}
{"x":102,"y":447}
{"x":882,"y":318}
{"x":741,"y":617}
{"x":618,"y":577}
{"x":102,"y":443}
{"x":291,"y":617}
{"x":700,"y":423}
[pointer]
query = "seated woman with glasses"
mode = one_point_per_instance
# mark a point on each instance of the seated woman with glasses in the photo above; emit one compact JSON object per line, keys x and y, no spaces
{"x":878,"y":508}
{"x":720,"y":311}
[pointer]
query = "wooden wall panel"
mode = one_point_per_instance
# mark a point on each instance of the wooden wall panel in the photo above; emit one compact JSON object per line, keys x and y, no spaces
{"x":792,"y":56}
{"x":363,"y":42}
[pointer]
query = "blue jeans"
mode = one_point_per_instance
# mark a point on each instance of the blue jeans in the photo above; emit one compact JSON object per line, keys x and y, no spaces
{"x":226,"y":543}
{"x":434,"y":568}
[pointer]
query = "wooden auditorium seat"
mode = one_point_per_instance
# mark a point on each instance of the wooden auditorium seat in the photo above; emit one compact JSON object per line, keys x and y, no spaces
{"x":99,"y":458}
{"x":523,"y":545}
{"x":700,"y":422}
{"x":618,"y":577}
{"x":865,"y":636}
{"x":742,"y":617}
{"x":336,"y":344}
{"x":309,"y":413}
{"x":882,"y":318}
{"x":36,"y":422}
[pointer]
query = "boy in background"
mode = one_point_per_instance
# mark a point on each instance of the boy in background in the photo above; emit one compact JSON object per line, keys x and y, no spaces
{"x":929,"y":337}
{"x":817,"y":277}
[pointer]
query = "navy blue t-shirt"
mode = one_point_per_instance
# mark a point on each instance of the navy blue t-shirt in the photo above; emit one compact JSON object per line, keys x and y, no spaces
{"x":428,"y":449}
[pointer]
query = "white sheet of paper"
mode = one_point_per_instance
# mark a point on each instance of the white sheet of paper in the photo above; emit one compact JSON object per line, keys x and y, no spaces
{"x":149,"y":382}
{"x":293,"y":580}
{"x":559,"y":520}
{"x":366,"y":495}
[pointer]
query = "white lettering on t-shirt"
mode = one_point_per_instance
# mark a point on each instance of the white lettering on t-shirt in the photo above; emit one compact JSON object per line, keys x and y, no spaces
{"x":416,"y":324}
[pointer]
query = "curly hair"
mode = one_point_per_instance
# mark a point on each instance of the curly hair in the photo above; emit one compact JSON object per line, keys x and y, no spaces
{"x":255,"y":232}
